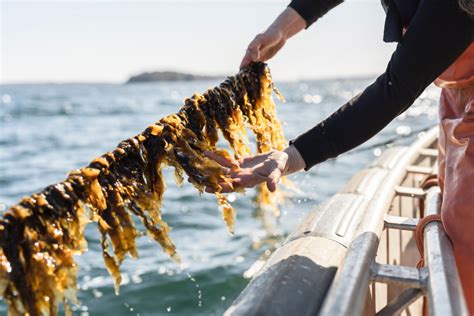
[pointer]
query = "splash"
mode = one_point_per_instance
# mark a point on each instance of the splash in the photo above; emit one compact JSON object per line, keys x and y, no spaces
{"x":41,"y":234}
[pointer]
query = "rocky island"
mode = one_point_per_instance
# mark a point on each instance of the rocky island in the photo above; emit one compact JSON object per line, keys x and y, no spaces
{"x":169,"y":76}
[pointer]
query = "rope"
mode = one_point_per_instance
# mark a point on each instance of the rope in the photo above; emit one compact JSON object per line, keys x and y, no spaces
{"x":430,"y":181}
{"x":419,"y":235}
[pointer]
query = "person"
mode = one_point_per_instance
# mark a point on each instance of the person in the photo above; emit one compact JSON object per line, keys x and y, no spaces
{"x":435,"y":43}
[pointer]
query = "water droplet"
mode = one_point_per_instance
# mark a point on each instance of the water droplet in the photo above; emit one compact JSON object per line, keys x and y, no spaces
{"x":316,"y":99}
{"x":403,"y":130}
{"x":97,"y":293}
{"x":6,"y":98}
{"x":136,"y":278}
{"x":192,"y":279}
{"x":377,"y":152}
{"x":162,"y":270}
{"x":222,"y":298}
{"x":57,"y":233}
{"x":168,"y":309}
{"x":231,"y":197}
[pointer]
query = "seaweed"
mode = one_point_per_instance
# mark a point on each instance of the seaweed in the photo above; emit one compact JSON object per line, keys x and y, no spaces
{"x":40,"y":235}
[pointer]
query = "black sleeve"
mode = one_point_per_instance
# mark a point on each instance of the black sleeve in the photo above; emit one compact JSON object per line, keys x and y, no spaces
{"x":311,"y":10}
{"x":437,"y":35}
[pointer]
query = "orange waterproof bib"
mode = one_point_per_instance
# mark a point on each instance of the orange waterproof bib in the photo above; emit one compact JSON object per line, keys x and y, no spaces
{"x":456,"y":164}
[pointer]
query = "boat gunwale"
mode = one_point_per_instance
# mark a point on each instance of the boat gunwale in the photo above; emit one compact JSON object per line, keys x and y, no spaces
{"x":253,"y":300}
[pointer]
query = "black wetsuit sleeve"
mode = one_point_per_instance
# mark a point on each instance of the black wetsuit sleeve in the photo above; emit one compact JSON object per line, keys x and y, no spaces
{"x":438,"y":33}
{"x":311,"y":10}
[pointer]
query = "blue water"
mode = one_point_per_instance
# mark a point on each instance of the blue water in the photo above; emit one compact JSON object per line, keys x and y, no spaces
{"x":47,"y":130}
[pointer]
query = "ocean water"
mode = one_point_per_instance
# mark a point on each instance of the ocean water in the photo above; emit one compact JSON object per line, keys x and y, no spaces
{"x":48,"y":129}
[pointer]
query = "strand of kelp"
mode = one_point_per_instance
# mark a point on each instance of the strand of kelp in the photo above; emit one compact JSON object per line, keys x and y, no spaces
{"x":41,"y":234}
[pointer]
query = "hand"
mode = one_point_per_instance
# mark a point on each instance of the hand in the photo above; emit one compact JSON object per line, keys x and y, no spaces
{"x":264,"y":46}
{"x":248,"y":172}
{"x":267,"y":167}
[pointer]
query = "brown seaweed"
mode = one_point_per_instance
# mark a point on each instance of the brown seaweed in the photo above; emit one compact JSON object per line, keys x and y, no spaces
{"x":41,"y":234}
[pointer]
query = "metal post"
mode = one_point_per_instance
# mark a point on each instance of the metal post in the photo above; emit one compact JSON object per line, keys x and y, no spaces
{"x":349,"y":289}
{"x":445,"y":294}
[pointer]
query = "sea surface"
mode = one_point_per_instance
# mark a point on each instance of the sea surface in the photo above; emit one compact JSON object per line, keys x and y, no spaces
{"x":48,"y":129}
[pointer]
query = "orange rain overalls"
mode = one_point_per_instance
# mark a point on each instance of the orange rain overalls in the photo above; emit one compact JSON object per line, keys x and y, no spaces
{"x":456,"y":164}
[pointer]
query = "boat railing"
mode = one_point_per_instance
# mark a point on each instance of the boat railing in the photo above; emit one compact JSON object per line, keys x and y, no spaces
{"x":343,"y":234}
{"x":445,"y":294}
{"x":438,"y":280}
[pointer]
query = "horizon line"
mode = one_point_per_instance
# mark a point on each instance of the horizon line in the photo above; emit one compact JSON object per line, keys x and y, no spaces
{"x":121,"y":82}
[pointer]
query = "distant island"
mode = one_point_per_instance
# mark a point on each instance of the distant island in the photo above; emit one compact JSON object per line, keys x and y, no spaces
{"x":168,"y":76}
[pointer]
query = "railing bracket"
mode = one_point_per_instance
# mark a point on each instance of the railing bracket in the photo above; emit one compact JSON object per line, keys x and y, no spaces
{"x":408,"y":276}
{"x":429,"y":152}
{"x":399,"y":222}
{"x":410,"y":192}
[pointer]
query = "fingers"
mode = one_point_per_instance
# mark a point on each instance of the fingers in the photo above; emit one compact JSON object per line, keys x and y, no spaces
{"x":245,"y":62}
{"x":253,"y":51}
{"x":227,"y":162}
{"x":273,"y":179}
{"x":225,"y":187}
{"x":247,"y":172}
{"x":239,"y":180}
{"x":249,"y":179}
{"x":251,"y":55}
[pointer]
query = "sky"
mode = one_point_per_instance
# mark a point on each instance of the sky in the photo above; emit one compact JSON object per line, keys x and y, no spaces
{"x":107,"y":41}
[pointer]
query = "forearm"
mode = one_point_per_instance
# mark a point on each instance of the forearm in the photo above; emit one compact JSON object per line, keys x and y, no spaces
{"x":288,"y":23}
{"x":354,"y":123}
{"x":427,"y":49}
{"x":312,"y":10}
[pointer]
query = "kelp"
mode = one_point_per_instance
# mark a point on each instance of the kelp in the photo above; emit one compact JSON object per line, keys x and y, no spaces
{"x":41,"y":234}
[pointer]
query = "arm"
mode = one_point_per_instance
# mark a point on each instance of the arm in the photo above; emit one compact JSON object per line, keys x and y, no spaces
{"x":299,"y":15}
{"x":265,"y":45}
{"x":312,"y":10}
{"x":437,"y":35}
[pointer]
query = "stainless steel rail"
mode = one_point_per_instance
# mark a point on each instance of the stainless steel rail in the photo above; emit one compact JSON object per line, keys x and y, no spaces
{"x":349,"y":288}
{"x":445,"y":294}
{"x":439,"y":279}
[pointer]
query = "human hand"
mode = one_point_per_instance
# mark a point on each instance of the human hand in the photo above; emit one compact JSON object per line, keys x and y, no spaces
{"x":265,"y":45}
{"x":267,"y":167}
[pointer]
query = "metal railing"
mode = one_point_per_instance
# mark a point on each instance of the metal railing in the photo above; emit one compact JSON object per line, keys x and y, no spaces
{"x":438,"y":280}
{"x":445,"y":294}
{"x":343,"y":234}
